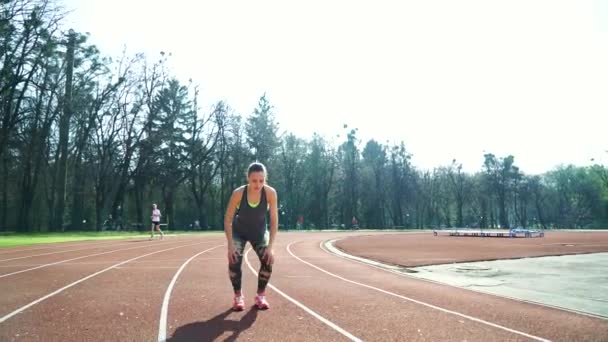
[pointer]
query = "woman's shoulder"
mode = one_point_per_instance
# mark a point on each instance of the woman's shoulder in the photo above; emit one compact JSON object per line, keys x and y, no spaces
{"x":239,"y":190}
{"x":270,"y":190}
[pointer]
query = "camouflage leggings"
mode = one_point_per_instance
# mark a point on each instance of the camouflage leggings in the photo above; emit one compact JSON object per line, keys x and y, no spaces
{"x":235,"y":271}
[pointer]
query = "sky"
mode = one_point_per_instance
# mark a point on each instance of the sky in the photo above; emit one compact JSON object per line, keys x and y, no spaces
{"x":451,"y":79}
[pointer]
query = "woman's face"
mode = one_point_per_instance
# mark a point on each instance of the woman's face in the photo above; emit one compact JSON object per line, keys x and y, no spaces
{"x":153,"y":206}
{"x":256,"y":180}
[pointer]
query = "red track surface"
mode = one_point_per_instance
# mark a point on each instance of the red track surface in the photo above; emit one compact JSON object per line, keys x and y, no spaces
{"x":337,"y":299}
{"x":425,"y":249}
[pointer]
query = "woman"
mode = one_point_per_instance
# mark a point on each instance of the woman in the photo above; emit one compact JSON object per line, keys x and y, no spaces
{"x":250,"y":202}
{"x":155,"y":222}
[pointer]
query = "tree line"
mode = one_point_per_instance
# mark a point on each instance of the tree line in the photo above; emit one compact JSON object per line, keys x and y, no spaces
{"x":84,"y":137}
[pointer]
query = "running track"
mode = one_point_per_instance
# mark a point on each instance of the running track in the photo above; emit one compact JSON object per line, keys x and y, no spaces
{"x":178,"y":289}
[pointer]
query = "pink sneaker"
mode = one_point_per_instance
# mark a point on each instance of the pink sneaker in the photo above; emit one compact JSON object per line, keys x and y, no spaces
{"x":239,"y":303}
{"x":260,"y":302}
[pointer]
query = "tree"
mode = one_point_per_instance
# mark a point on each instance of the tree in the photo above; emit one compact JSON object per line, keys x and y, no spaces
{"x":320,"y":172}
{"x":444,"y":196}
{"x":26,"y":28}
{"x":460,"y":187}
{"x":262,"y":131}
{"x":401,"y":187}
{"x":601,"y":171}
{"x":500,"y":174}
{"x":578,"y":196}
{"x":94,"y":112}
{"x":374,"y":161}
{"x":206,"y":154}
{"x":237,"y":157}
{"x":292,"y":169}
{"x":174,"y":118}
{"x":27,"y":44}
{"x":521,"y":199}
{"x":480,"y":211}
{"x":348,"y":155}
{"x":35,"y":130}
{"x":152,"y":79}
{"x":539,"y":194}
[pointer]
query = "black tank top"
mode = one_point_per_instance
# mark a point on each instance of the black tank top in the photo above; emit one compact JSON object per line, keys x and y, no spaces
{"x":250,"y":223}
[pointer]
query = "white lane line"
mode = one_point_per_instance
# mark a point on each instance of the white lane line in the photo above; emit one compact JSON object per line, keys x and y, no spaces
{"x":304,"y":307}
{"x":474,"y":319}
{"x":25,"y":307}
{"x":162,"y":326}
{"x":66,"y":251}
{"x":329,"y":248}
{"x":68,"y":260}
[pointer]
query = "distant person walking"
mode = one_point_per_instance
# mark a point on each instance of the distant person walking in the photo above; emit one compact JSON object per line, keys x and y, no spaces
{"x":354,"y":223}
{"x":156,"y":215}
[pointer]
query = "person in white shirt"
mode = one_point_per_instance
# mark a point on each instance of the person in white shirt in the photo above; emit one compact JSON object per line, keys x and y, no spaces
{"x":155,"y":222}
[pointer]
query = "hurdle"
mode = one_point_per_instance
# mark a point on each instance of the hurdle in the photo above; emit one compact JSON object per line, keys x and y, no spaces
{"x":491,"y":232}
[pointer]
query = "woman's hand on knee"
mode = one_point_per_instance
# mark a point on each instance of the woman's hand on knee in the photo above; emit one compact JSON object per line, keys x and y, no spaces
{"x":268,"y":256}
{"x":232,"y":256}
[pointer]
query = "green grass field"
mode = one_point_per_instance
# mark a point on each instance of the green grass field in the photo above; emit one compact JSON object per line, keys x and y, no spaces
{"x":23,"y":239}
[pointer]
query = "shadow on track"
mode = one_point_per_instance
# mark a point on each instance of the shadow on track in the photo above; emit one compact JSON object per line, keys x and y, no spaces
{"x":215,"y":327}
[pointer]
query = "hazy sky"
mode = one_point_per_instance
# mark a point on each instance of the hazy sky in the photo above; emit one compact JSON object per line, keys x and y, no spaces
{"x":452,"y":79}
